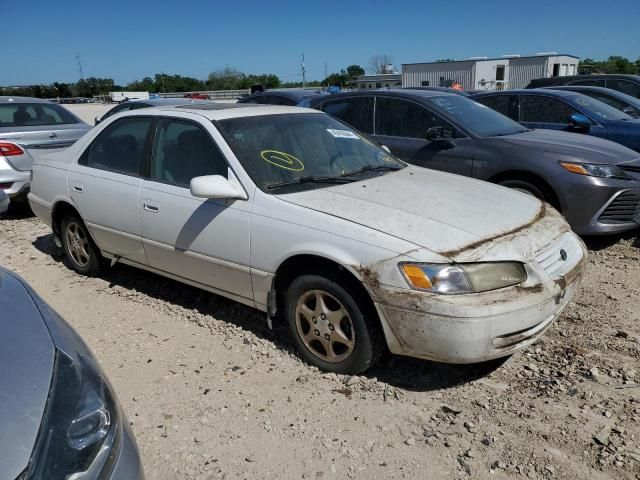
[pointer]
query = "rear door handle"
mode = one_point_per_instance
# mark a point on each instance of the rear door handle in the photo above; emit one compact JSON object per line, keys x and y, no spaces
{"x":151,"y":206}
{"x":77,"y":187}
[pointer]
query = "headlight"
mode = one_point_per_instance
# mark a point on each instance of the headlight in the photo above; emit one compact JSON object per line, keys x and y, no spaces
{"x":592,"y":170}
{"x":463,"y":278}
{"x":80,"y":427}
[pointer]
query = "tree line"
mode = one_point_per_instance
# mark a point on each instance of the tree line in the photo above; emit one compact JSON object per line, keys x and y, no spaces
{"x":225,"y":79}
{"x":232,"y":79}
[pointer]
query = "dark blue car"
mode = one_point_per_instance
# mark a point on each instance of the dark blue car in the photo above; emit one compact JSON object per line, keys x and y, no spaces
{"x":565,"y":110}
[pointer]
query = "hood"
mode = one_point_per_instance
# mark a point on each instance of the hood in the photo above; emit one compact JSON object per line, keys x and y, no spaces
{"x":25,"y":345}
{"x":581,"y":147}
{"x":445,"y":213}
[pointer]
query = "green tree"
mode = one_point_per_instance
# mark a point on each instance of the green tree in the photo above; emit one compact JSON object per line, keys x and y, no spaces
{"x":354,"y":71}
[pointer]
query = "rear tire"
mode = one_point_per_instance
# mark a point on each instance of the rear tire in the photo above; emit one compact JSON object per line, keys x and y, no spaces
{"x":331,"y":330}
{"x":81,"y":253}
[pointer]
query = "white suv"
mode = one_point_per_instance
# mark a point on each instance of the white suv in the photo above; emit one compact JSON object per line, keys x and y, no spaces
{"x":292,"y":212}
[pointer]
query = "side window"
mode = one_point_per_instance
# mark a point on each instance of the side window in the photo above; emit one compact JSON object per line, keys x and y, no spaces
{"x":400,"y":118}
{"x":182,"y":151}
{"x":540,"y":109}
{"x":120,"y":147}
{"x":499,"y":103}
{"x":625,"y":86}
{"x":614,"y":102}
{"x":355,"y":111}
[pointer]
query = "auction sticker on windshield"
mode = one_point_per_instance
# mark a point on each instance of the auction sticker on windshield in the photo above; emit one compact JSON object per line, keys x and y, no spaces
{"x":342,"y":133}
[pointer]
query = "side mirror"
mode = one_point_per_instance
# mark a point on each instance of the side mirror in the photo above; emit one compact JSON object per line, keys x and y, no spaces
{"x":216,"y":186}
{"x":385,"y":148}
{"x":629,"y":110}
{"x":441,"y":137}
{"x":97,"y":120}
{"x":579,"y":122}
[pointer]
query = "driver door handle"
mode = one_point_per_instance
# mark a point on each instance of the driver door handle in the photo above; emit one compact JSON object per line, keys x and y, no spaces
{"x":151,"y":206}
{"x":77,"y":187}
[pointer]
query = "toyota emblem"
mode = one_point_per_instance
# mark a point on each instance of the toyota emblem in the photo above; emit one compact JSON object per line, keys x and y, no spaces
{"x":563,"y":255}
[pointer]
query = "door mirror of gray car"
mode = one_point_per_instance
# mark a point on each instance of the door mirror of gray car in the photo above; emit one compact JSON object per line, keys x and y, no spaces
{"x":441,"y":137}
{"x":216,"y":186}
{"x":579,"y":122}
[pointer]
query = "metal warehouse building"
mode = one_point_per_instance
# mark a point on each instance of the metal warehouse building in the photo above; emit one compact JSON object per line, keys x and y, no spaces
{"x":480,"y":73}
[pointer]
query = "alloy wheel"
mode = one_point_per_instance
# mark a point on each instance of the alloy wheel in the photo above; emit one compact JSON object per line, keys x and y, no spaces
{"x":77,"y":244}
{"x":325,"y":326}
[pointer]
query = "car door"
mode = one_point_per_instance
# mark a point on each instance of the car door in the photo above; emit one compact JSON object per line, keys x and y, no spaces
{"x":105,"y":186}
{"x":402,"y":126}
{"x":201,"y":240}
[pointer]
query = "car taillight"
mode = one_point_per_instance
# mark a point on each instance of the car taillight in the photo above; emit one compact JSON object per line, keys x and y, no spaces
{"x":10,"y":149}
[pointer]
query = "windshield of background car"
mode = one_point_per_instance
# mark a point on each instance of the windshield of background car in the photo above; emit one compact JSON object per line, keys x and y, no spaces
{"x":476,"y":117}
{"x":600,"y":109}
{"x":284,"y":148}
{"x":34,"y":114}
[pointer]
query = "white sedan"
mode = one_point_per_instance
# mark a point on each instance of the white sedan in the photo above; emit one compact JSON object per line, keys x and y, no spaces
{"x":292,"y":212}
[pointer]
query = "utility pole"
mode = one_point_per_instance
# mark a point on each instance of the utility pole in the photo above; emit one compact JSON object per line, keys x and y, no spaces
{"x":79,"y":66}
{"x":304,"y":72}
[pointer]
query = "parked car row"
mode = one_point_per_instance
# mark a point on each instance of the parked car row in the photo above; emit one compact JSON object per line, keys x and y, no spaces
{"x":593,"y":182}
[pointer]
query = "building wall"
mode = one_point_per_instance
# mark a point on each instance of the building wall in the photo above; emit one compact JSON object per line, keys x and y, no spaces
{"x":486,"y":70}
{"x":414,"y":75}
{"x":523,"y":70}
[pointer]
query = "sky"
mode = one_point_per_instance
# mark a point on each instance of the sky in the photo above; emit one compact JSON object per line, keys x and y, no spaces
{"x":129,"y":40}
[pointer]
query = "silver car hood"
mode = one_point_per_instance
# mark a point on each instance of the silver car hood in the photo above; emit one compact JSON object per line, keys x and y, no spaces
{"x":26,"y":356}
{"x":585,"y":148}
{"x":445,"y":213}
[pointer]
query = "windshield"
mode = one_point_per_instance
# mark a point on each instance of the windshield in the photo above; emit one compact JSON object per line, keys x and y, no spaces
{"x":476,"y":117}
{"x":277,"y":149}
{"x":600,"y":109}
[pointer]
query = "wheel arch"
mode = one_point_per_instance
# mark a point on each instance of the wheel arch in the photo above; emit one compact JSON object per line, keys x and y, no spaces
{"x":306,"y":263}
{"x":530,"y":177}
{"x":59,"y":211}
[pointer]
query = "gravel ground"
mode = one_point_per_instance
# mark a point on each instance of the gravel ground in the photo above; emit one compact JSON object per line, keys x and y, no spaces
{"x":212,"y":393}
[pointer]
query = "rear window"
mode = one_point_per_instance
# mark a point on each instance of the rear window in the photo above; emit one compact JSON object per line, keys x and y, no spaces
{"x":34,"y":114}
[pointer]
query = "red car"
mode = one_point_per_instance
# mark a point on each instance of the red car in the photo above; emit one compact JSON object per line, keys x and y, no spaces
{"x":197,"y":96}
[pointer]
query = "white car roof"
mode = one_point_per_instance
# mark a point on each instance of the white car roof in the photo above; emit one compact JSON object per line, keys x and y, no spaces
{"x":221,"y":111}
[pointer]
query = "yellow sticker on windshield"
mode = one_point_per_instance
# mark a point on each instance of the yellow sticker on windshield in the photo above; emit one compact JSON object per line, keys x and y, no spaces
{"x":282,"y":160}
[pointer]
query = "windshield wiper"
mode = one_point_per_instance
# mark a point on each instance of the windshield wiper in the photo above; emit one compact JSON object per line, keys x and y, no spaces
{"x":372,"y":168}
{"x":311,"y":179}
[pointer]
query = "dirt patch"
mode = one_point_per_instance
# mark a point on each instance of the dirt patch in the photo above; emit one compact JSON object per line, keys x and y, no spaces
{"x":212,"y":393}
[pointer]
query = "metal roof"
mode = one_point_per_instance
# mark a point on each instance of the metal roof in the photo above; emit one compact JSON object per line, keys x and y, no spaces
{"x":494,"y":58}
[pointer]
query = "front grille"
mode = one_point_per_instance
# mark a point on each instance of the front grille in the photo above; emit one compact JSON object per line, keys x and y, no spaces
{"x":625,"y":208}
{"x":630,"y":168}
{"x":551,"y":259}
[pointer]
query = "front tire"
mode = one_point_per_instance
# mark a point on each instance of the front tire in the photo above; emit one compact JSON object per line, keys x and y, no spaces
{"x":526,"y":187}
{"x":79,"y":250}
{"x":330,"y":327}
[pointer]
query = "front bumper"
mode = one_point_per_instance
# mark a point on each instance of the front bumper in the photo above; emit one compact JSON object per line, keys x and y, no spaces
{"x":591,"y":205}
{"x":479,"y":327}
{"x":127,"y":465}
